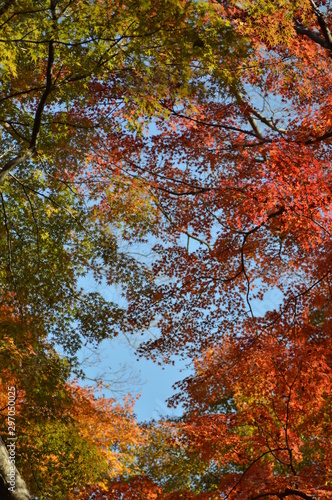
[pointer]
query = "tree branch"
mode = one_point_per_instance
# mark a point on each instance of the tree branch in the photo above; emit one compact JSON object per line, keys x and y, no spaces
{"x":311,"y":34}
{"x":288,"y":492}
{"x":209,"y":124}
{"x":252,"y":113}
{"x":31,"y":151}
{"x":6,"y":5}
{"x":249,"y":467}
{"x":322,"y":23}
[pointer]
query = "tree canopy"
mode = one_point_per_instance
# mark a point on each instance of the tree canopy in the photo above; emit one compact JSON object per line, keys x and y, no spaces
{"x":202,"y":129}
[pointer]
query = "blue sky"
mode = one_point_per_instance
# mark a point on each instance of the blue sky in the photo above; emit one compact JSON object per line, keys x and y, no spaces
{"x":115,"y":362}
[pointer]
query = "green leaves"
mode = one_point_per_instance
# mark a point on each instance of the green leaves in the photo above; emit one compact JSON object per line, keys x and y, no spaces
{"x":96,"y":317}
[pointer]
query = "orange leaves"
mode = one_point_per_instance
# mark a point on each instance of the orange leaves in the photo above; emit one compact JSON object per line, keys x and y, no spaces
{"x":204,"y":128}
{"x":106,"y":425}
{"x":68,"y":435}
{"x":263,"y":403}
{"x":136,"y":489}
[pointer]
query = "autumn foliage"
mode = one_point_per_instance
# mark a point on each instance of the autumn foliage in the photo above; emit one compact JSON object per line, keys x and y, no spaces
{"x":201,"y":130}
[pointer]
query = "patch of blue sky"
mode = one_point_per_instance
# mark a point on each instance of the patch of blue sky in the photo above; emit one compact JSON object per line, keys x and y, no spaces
{"x":116,"y":362}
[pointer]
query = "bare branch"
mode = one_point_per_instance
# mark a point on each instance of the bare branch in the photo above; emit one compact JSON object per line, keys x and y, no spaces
{"x":252,"y":113}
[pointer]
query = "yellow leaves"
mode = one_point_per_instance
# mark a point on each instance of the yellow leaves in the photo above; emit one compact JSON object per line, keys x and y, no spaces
{"x":51,"y":209}
{"x":8,"y":63}
{"x":130,"y":204}
{"x":274,"y":22}
{"x":108,"y":426}
{"x":7,"y":344}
